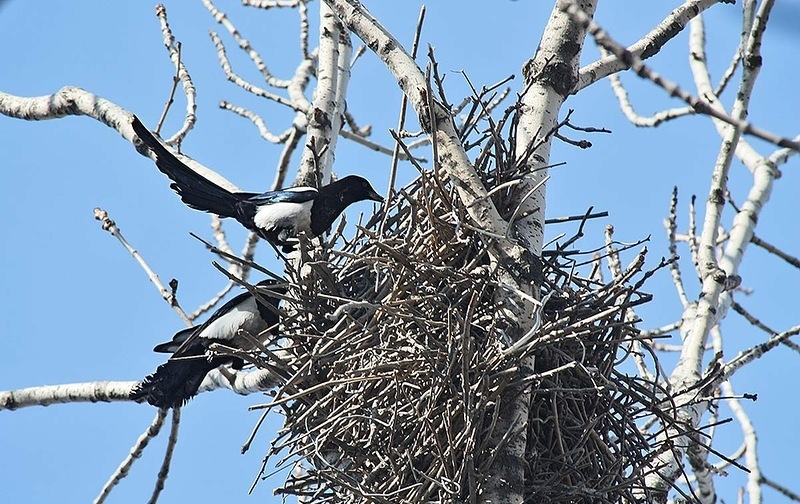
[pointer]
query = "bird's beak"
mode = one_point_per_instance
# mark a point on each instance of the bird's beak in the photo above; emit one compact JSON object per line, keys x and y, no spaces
{"x":374,"y":196}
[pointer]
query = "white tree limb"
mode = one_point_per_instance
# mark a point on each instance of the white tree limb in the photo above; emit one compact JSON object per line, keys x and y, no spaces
{"x":103,"y":391}
{"x":647,"y":46}
{"x":72,"y":100}
{"x":325,"y":116}
{"x":163,"y":472}
{"x":549,"y":77}
{"x":700,"y":318}
{"x":412,"y":81}
{"x":748,"y":430}
{"x":242,"y":382}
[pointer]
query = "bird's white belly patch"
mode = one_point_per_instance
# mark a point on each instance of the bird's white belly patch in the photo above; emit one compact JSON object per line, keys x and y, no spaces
{"x":284,"y":215}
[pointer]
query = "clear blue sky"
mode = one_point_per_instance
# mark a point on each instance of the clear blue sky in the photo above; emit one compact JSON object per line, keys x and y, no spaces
{"x":75,"y":307}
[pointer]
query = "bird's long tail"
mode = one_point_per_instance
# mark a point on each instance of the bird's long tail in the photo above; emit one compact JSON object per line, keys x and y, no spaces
{"x":174,"y":382}
{"x":195,"y":190}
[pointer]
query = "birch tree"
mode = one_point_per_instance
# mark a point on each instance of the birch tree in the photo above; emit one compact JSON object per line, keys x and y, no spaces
{"x":443,"y":350}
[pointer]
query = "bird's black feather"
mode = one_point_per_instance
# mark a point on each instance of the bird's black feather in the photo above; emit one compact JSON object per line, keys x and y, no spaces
{"x":177,"y":340}
{"x":178,"y":380}
{"x":277,"y":216}
{"x":335,"y":197}
{"x":195,"y":190}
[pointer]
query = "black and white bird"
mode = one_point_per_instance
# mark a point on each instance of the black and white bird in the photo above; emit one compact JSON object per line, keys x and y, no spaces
{"x":277,"y":216}
{"x":177,"y":380}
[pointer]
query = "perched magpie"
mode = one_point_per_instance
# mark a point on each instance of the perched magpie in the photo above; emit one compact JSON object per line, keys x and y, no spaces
{"x":177,"y":380}
{"x":275,"y":215}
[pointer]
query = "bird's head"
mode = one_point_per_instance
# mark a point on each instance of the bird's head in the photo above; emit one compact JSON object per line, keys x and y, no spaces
{"x":358,"y":189}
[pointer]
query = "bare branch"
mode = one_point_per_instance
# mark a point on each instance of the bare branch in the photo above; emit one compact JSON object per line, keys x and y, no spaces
{"x":271,"y":4}
{"x":638,"y":120}
{"x":635,"y":63}
{"x":221,"y":18}
{"x":648,"y":46}
{"x":401,"y":124}
{"x":168,"y":295}
{"x":163,"y":472}
{"x":411,"y":80}
{"x":136,"y":452}
{"x":67,"y":393}
{"x":239,"y":81}
{"x":672,"y":225}
{"x":780,"y":488}
{"x":258,"y":121}
{"x":183,"y":75}
{"x":171,"y":99}
{"x":746,"y":356}
{"x":325,"y":115}
{"x":772,"y":249}
{"x":748,"y":431}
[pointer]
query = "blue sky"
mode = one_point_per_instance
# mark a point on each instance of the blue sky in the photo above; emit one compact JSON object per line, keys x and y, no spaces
{"x":75,"y":307}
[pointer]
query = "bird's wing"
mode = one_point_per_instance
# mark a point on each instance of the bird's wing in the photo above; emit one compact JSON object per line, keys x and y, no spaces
{"x":195,"y":190}
{"x":294,"y":195}
{"x":177,"y":340}
{"x":187,"y":344}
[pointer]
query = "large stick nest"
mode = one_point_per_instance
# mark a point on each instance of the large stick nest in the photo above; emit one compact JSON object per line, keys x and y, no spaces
{"x":400,"y":362}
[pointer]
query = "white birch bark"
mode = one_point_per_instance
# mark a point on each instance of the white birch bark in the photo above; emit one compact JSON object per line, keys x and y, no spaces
{"x":71,"y":100}
{"x":237,"y":381}
{"x":326,"y":113}
{"x":710,"y":308}
{"x":550,"y":77}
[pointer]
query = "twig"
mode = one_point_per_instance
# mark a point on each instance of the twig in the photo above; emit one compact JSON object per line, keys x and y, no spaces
{"x":111,"y":226}
{"x":302,"y":10}
{"x":289,"y":147}
{"x":231,"y":257}
{"x":258,"y":121}
{"x":222,"y":18}
{"x":780,"y":488}
{"x":753,"y":353}
{"x":377,"y":147}
{"x":757,"y":323}
{"x":208,"y":305}
{"x":247,"y":86}
{"x":135,"y":453}
{"x":271,"y":4}
{"x":582,"y":217}
{"x":401,"y":124}
{"x":163,"y":472}
{"x":672,"y":226}
{"x":183,"y":74}
{"x":171,"y":99}
{"x":630,"y":113}
{"x":635,"y":63}
{"x":748,"y":431}
{"x":772,"y":249}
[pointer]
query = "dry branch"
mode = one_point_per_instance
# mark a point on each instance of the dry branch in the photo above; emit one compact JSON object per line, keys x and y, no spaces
{"x":400,"y":363}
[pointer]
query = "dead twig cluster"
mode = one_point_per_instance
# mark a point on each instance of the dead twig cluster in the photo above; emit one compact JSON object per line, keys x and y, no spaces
{"x":400,"y":362}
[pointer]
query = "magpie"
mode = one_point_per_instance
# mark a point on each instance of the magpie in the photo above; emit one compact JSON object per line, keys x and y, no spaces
{"x":177,"y":380}
{"x":276,"y":216}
